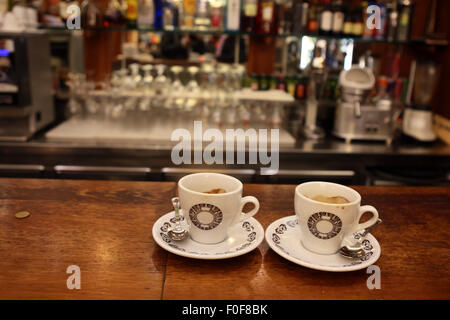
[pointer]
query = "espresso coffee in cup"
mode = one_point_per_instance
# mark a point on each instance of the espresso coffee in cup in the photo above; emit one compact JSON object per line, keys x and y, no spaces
{"x":333,"y":199}
{"x":327,"y":213}
{"x":211,"y":204}
{"x":216,"y":191}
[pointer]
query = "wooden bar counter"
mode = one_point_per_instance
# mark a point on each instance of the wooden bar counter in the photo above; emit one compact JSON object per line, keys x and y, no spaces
{"x":104,"y":227}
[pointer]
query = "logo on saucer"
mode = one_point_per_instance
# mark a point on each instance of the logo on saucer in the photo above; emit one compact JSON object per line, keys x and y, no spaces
{"x":205,"y":216}
{"x":324,"y":225}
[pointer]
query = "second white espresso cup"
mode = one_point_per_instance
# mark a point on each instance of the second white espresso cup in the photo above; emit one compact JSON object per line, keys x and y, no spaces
{"x":323,"y":226}
{"x":211,"y":215}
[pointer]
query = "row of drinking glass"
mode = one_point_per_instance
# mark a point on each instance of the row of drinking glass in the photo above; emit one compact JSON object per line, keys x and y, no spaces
{"x":209,"y":93}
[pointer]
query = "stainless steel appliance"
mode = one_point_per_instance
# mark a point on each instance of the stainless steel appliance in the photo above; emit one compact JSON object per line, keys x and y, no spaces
{"x":418,"y":117}
{"x":26,"y":103}
{"x":358,"y":118}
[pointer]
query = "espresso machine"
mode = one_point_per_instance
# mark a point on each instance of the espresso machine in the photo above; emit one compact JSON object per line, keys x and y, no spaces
{"x":357,"y":117}
{"x":26,"y":102}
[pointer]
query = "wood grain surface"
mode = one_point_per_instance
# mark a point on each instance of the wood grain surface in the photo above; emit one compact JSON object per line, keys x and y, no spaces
{"x":105,"y":228}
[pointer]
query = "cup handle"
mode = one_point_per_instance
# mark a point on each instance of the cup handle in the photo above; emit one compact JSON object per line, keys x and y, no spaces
{"x":367,"y":224}
{"x":242,"y":216}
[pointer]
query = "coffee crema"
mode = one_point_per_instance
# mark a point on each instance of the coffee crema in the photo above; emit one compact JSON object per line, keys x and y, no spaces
{"x":333,"y":200}
{"x":216,"y":191}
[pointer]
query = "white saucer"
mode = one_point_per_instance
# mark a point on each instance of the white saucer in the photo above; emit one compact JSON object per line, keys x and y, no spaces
{"x":242,"y":238}
{"x":283,"y":236}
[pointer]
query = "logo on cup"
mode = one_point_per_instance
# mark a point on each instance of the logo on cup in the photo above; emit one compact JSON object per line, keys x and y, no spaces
{"x":324,"y":225}
{"x":205,"y":216}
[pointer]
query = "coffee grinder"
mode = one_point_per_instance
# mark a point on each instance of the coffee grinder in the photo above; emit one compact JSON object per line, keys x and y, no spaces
{"x":357,"y":116}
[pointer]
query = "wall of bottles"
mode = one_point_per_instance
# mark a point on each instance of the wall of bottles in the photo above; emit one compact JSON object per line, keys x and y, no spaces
{"x":322,"y":17}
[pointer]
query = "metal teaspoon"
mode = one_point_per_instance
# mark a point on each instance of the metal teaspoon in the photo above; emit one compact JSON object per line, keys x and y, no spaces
{"x":177,"y":233}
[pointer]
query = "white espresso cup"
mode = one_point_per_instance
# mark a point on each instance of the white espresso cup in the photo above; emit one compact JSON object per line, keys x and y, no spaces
{"x":211,"y":215}
{"x":323,"y":226}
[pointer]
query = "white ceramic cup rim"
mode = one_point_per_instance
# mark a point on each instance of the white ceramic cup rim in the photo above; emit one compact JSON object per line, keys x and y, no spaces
{"x":194,"y":175}
{"x":357,"y":201}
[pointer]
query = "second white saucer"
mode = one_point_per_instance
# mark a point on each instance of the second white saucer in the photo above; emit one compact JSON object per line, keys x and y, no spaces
{"x":283,"y":236}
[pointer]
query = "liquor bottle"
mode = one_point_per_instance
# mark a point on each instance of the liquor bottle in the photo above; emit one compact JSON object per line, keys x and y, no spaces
{"x":158,"y":8}
{"x":348,"y":23}
{"x":287,"y":16}
{"x":283,"y":11}
{"x":266,"y":18}
{"x":90,"y":15}
{"x":113,"y":15}
{"x":404,"y":23}
{"x":393,"y":21}
{"x":338,"y":18}
{"x":188,"y":13}
{"x":131,"y":13}
{"x":249,"y":12}
{"x":305,"y":15}
{"x":313,"y":24}
{"x":202,"y":17}
{"x":233,"y":15}
{"x":297,"y":8}
{"x":326,"y":19}
{"x":170,"y":15}
{"x":146,"y":14}
{"x":217,"y":14}
{"x":358,"y":23}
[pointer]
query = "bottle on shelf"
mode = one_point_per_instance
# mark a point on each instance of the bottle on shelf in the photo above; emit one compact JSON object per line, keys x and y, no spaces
{"x":131,"y":13}
{"x":281,"y":83}
{"x":90,"y":15}
{"x":393,"y":21}
{"x":170,"y":15}
{"x":287,"y":16}
{"x":404,"y":23}
{"x":266,"y":19}
{"x":202,"y":17}
{"x":217,"y":14}
{"x":249,"y":12}
{"x":357,"y":22}
{"x":158,"y":9}
{"x":347,"y":29}
{"x":113,"y":15}
{"x":146,"y":14}
{"x":326,"y":18}
{"x":338,"y":18}
{"x":188,"y":14}
{"x":313,"y":23}
{"x":283,"y":14}
{"x":233,"y":15}
{"x":299,"y":16}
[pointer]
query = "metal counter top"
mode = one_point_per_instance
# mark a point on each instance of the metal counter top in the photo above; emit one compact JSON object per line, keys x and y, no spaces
{"x":329,"y":145}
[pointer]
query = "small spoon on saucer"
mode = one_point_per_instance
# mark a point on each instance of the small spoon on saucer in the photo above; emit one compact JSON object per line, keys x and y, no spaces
{"x":177,"y":233}
{"x":355,"y":250}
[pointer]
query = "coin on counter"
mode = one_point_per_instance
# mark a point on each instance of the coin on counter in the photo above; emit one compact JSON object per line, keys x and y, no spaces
{"x":22,"y":214}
